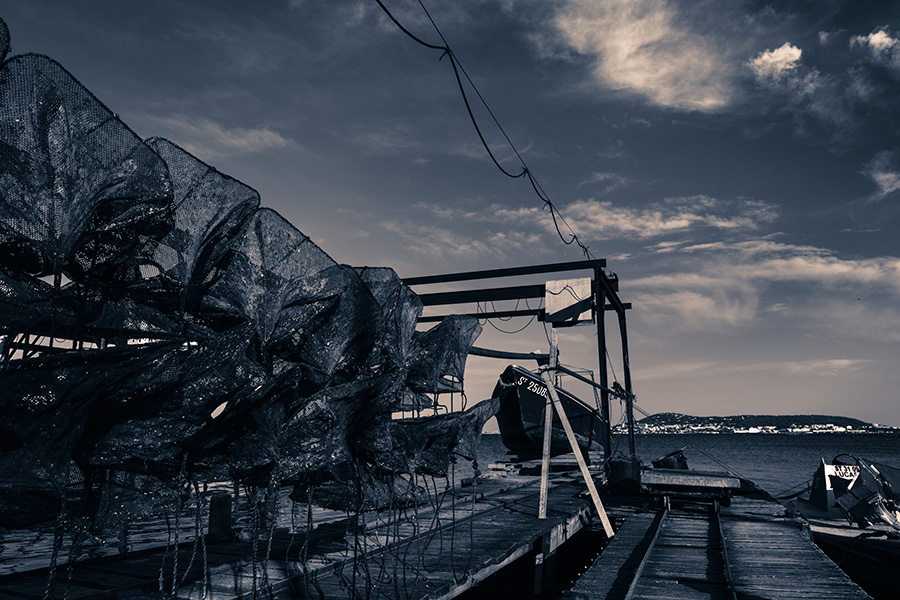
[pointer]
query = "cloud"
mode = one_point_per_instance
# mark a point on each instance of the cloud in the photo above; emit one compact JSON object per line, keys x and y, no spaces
{"x":781,"y":69}
{"x":677,"y":369}
{"x":884,"y":49}
{"x":595,"y":219}
{"x":821,"y":107}
{"x":884,"y":173}
{"x":776,"y":64}
{"x":722,"y":286}
{"x":439,"y":242}
{"x":208,"y":140}
{"x":611,"y":181}
{"x":382,"y":140}
{"x":823,"y":367}
{"x":645,"y":47}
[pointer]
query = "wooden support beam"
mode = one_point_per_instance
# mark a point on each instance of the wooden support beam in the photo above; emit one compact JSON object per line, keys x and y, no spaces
{"x":497,"y":314}
{"x":588,"y":479}
{"x":486,"y":352}
{"x":509,"y":272}
{"x":516,"y":292}
{"x":548,"y":428}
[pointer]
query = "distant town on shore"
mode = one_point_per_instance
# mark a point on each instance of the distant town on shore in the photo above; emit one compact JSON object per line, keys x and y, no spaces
{"x":670,"y":422}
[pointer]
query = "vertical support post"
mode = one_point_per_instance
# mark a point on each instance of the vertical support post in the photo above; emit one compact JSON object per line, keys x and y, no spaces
{"x":573,"y":443}
{"x":220,"y":517}
{"x":541,"y":551}
{"x":600,"y":299}
{"x":548,"y":428}
{"x":629,"y":402}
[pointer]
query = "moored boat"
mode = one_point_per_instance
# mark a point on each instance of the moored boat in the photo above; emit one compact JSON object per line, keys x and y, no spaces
{"x":523,"y":399}
{"x":852,"y":510}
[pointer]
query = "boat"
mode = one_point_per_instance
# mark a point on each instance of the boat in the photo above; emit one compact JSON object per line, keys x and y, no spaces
{"x":852,"y":506}
{"x":523,"y":397}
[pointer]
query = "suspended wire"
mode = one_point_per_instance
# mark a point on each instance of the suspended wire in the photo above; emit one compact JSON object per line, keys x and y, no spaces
{"x":479,"y":310}
{"x":567,"y":238}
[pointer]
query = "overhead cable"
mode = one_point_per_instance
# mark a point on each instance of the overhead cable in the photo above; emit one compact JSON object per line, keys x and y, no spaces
{"x":571,"y":237}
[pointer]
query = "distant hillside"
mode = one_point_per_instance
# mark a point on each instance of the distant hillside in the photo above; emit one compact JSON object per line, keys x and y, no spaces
{"x":747,"y":421}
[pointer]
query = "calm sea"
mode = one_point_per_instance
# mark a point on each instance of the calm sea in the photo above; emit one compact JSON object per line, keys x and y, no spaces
{"x":775,"y":462}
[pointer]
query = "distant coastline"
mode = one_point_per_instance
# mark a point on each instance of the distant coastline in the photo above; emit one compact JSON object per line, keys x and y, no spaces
{"x":670,"y":422}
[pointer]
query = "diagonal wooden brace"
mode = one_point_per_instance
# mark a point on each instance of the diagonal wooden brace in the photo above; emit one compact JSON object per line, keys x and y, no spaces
{"x":576,"y":449}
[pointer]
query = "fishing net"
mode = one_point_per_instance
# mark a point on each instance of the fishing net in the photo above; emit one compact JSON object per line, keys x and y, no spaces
{"x":428,"y":445}
{"x":210,"y":210}
{"x":400,"y":311}
{"x":206,"y":338}
{"x":82,"y":194}
{"x":439,"y":356}
{"x":149,"y":424}
{"x":46,"y":404}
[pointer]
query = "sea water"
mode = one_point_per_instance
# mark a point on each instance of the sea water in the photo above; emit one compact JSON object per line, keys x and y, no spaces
{"x":775,"y":462}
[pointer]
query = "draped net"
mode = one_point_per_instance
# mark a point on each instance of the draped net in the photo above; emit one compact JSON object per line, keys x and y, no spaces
{"x":158,"y":328}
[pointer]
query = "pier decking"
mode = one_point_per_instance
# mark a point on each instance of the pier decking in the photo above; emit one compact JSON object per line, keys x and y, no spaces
{"x":750,"y":549}
{"x":431,"y":552}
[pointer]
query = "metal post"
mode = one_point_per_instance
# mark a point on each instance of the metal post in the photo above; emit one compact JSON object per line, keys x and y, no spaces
{"x":600,"y":299}
{"x":629,"y":402}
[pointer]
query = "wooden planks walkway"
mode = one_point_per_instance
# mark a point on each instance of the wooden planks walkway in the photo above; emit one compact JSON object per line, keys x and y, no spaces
{"x":749,"y":550}
{"x":431,"y":552}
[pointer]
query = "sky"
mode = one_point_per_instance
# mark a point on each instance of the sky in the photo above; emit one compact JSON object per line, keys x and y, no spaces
{"x":737,"y":163}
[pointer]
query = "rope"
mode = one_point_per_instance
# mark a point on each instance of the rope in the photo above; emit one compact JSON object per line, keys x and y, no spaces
{"x":70,"y":567}
{"x":197,"y":534}
{"x":162,"y":565}
{"x":50,"y":590}
{"x":254,"y":505}
{"x":274,"y":487}
{"x":175,"y":559}
{"x":805,"y":485}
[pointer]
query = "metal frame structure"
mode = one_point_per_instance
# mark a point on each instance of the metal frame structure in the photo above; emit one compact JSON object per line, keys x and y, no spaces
{"x":605,"y":295}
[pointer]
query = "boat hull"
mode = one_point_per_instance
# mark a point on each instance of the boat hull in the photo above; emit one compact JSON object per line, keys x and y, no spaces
{"x":523,"y":399}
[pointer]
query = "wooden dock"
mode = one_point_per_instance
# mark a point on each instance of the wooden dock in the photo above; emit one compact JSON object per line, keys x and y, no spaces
{"x":435,"y":551}
{"x":750,"y":549}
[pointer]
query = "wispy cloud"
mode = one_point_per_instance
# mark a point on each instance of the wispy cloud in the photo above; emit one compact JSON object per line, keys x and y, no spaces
{"x":781,"y":69}
{"x":645,"y":47}
{"x":824,"y":367}
{"x":721,"y":286}
{"x":884,"y":49}
{"x":605,"y":220}
{"x":384,"y":139}
{"x":438,"y":242}
{"x":208,"y":139}
{"x":884,"y":173}
{"x":610,"y":181}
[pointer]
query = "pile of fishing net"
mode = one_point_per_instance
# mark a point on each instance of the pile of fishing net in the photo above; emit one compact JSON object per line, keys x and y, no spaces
{"x":159,"y":328}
